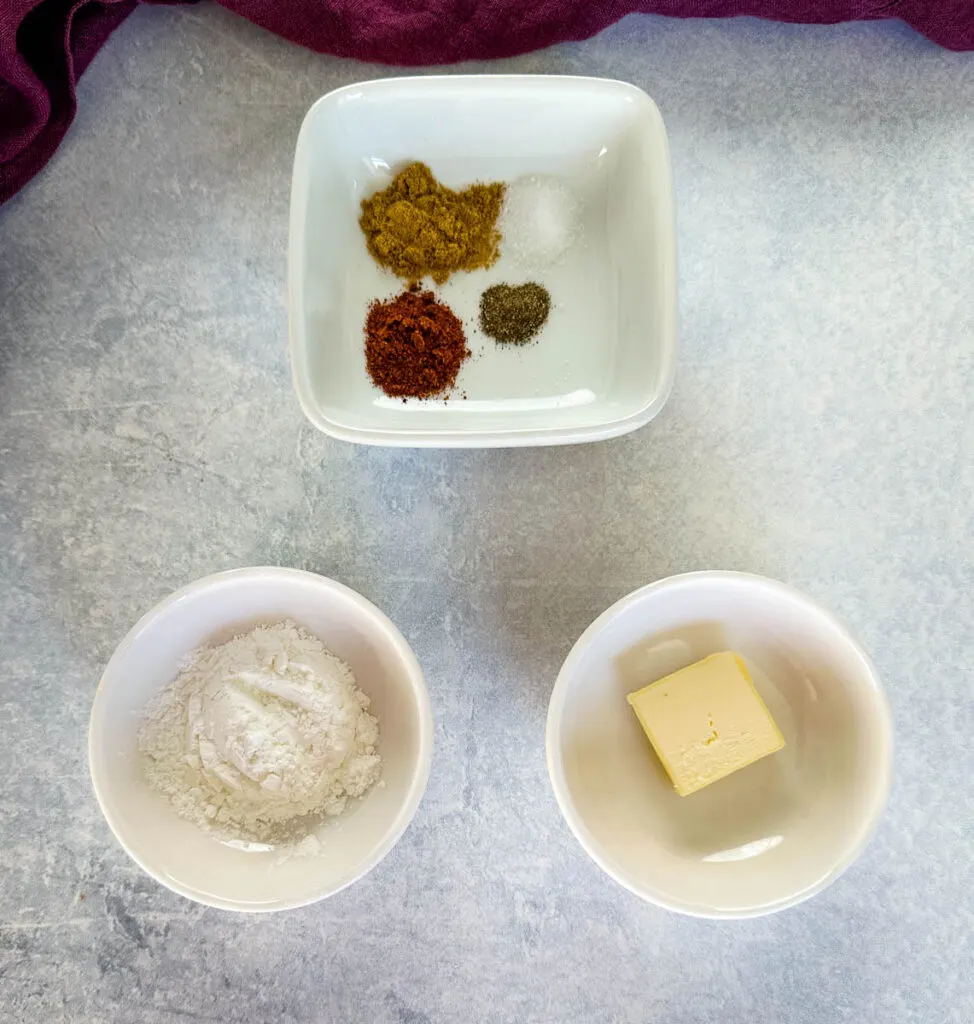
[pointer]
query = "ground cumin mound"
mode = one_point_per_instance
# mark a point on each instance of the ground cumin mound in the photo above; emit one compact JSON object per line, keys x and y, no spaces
{"x":417,"y":227}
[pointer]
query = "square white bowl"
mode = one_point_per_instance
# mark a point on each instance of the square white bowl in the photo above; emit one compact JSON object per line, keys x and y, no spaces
{"x":603,"y":363}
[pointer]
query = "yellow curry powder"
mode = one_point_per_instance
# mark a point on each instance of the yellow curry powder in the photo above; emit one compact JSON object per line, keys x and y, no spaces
{"x":418,"y":227}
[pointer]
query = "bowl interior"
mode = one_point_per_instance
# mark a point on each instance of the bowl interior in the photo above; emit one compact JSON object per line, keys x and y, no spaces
{"x":175,"y":851}
{"x":605,"y":354}
{"x":766,"y":836}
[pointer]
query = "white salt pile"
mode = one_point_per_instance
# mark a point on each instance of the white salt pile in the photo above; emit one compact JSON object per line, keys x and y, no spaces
{"x":540,"y":221}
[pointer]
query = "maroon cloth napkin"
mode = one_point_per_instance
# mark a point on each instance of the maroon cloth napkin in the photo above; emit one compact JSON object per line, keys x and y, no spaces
{"x":45,"y":45}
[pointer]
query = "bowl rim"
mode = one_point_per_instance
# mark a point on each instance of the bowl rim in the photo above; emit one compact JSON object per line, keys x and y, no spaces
{"x":505,"y":437}
{"x":593,"y":847}
{"x":413,"y":672}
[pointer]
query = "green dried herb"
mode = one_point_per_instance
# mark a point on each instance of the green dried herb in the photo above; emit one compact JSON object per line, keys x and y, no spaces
{"x":514,"y":313}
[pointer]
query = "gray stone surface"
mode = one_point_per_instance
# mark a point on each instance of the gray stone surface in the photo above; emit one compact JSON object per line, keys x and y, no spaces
{"x":821,"y":431}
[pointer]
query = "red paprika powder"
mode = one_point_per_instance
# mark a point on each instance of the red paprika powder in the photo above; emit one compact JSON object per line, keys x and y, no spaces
{"x":414,"y":345}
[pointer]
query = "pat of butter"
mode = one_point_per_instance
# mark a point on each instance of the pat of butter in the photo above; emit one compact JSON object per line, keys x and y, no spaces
{"x":706,"y":721}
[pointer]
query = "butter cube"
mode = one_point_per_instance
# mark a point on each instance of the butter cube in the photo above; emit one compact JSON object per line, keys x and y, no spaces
{"x":706,"y":721}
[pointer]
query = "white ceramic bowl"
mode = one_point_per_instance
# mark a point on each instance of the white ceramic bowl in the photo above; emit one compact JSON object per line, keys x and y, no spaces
{"x":211,"y":611}
{"x":766,"y":837}
{"x":603,"y":363}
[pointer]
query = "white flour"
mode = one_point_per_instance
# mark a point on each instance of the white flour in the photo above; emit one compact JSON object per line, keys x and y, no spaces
{"x":260,"y":732}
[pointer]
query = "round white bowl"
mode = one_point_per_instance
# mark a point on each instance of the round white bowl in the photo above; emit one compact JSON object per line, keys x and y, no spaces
{"x":211,"y":611}
{"x":766,"y":837}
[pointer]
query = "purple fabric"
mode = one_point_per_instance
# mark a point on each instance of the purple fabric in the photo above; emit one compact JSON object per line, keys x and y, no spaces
{"x":44,"y":48}
{"x":45,"y":45}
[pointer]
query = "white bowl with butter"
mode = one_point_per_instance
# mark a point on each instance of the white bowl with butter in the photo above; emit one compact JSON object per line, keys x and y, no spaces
{"x":764,"y":837}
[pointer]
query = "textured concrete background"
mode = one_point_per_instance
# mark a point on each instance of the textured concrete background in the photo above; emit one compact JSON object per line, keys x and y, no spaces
{"x":820,"y":431}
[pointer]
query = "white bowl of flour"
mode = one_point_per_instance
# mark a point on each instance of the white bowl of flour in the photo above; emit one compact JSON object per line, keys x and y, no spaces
{"x":223,"y":681}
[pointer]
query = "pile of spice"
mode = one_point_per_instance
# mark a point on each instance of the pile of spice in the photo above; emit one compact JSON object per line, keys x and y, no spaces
{"x":414,"y":345}
{"x":417,"y":227}
{"x":540,"y":221}
{"x":514,"y":313}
